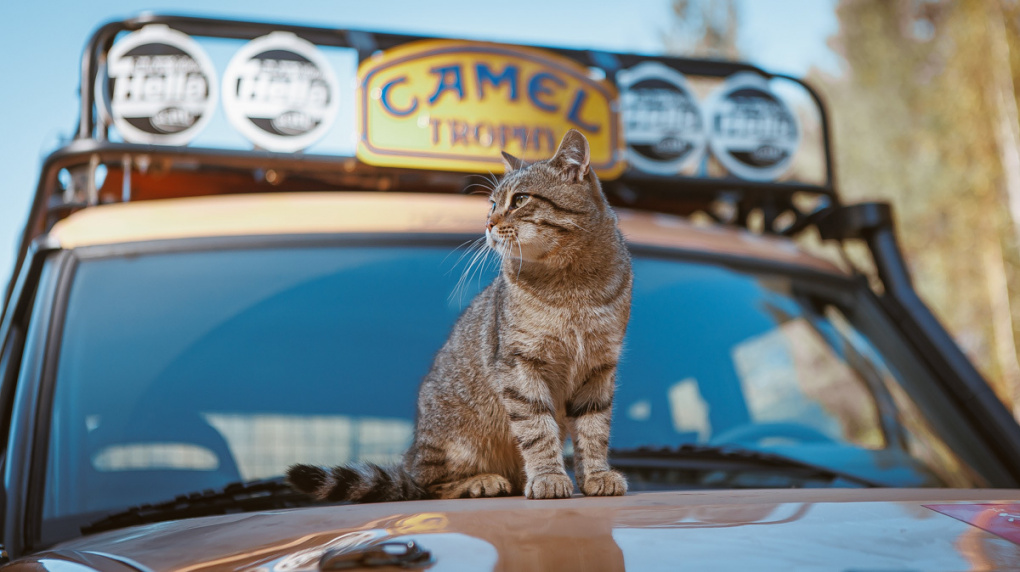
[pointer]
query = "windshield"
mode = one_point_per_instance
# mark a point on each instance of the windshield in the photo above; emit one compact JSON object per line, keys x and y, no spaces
{"x":187,"y":371}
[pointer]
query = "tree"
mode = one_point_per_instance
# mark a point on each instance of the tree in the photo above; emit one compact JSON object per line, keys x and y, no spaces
{"x":703,"y":28}
{"x":926,"y":117}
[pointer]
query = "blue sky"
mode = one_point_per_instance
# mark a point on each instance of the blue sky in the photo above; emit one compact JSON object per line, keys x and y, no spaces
{"x":42,"y":44}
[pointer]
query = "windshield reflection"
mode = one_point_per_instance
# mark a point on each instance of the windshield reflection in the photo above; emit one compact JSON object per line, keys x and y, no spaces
{"x":218,"y":366}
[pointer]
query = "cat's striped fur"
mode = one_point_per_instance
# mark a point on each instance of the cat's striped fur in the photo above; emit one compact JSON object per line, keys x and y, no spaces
{"x":533,"y":357}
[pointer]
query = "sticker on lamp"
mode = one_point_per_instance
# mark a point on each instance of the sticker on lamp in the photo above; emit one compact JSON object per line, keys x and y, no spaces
{"x":280,"y":92}
{"x":664,"y":127}
{"x":752,"y":132}
{"x":159,"y":87}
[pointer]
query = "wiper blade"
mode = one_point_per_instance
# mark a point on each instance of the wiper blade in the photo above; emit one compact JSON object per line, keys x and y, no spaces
{"x":266,"y":494}
{"x":273,"y":494}
{"x":726,"y":457}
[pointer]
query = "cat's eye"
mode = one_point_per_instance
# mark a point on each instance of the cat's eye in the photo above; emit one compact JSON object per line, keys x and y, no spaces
{"x":519,"y":200}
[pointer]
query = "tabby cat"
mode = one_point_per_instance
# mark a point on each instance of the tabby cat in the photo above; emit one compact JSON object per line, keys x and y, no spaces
{"x":532,"y":357}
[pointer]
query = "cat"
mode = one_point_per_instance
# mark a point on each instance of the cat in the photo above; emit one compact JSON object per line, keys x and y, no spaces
{"x":533,"y":357}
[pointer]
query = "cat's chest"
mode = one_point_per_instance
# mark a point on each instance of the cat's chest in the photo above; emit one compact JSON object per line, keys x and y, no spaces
{"x":579,"y":337}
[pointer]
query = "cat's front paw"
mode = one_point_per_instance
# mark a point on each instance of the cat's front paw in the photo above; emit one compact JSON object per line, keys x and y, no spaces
{"x":549,"y":486}
{"x":604,"y":484}
{"x":486,"y":486}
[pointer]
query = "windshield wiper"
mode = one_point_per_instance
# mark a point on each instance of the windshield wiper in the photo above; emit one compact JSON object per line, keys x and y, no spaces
{"x":727,"y":458}
{"x":272,"y":494}
{"x":267,"y":494}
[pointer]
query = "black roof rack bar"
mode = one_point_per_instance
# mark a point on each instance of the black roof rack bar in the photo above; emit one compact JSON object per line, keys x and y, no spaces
{"x":80,"y":152}
{"x":823,"y":115}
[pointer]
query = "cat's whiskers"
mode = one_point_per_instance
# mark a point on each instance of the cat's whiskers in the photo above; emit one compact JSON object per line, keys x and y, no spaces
{"x":520,"y":263}
{"x":479,"y":251}
{"x":487,"y":192}
{"x":497,"y":260}
{"x":470,"y":244}
{"x":493,"y":179}
{"x":506,"y":252}
{"x":487,"y":183}
{"x":499,"y":248}
{"x":483,"y":177}
{"x":465,"y":278}
{"x":479,"y":263}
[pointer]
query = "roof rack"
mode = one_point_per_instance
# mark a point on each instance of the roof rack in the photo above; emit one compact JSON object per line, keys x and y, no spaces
{"x":130,"y":166}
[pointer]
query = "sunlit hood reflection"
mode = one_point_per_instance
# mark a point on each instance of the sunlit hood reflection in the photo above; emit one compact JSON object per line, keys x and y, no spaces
{"x":831,"y":529}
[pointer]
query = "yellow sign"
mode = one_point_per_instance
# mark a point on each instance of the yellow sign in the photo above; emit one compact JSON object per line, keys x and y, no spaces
{"x":453,"y":105}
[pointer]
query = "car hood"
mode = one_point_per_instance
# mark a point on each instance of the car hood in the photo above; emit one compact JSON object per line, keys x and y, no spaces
{"x":847,"y":529}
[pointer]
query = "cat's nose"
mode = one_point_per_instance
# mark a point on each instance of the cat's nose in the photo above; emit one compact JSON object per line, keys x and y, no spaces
{"x":488,"y":225}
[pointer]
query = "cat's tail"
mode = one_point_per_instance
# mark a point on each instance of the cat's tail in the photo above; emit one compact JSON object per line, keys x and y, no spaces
{"x":355,"y":483}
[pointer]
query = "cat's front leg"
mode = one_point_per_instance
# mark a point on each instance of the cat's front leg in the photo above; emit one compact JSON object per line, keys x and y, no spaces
{"x":589,"y":412}
{"x":532,"y":423}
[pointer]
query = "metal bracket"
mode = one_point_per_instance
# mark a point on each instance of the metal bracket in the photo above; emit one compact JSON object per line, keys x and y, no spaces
{"x":855,"y":221}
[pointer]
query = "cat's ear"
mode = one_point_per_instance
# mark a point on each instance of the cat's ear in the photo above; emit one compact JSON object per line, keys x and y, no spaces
{"x":573,"y":158}
{"x":511,"y":163}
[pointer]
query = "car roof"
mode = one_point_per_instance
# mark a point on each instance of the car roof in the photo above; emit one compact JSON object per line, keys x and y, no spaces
{"x":368,"y":212}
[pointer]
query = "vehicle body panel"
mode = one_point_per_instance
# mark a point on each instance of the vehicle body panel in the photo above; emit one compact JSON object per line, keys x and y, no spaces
{"x":859,"y":528}
{"x":322,"y":213}
{"x":798,"y":529}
